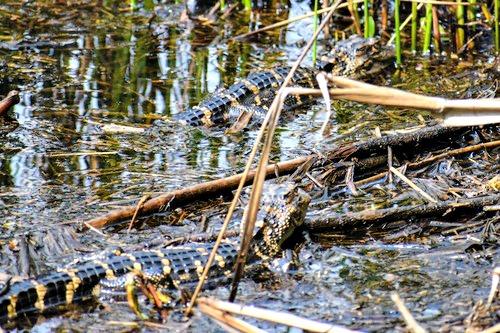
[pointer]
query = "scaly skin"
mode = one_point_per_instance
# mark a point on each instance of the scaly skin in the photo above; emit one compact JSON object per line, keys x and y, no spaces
{"x":355,"y":57}
{"x":171,"y":267}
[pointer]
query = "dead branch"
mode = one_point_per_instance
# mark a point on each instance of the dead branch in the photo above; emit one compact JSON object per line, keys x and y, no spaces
{"x":211,"y":189}
{"x":373,"y":217}
{"x":9,"y":101}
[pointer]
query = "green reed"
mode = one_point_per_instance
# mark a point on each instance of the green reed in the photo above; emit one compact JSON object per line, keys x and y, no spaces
{"x":315,"y":25}
{"x":497,"y":32}
{"x":397,"y":31}
{"x":414,"y":26}
{"x":460,"y":34}
{"x":247,"y":4}
{"x":222,"y":4}
{"x":428,"y":28}
{"x":366,"y":23}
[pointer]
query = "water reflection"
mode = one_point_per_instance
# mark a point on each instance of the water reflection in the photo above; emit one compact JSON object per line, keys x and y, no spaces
{"x":130,"y":69}
{"x":119,"y":73}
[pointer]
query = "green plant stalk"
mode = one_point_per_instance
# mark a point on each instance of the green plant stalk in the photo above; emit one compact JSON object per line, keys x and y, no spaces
{"x":428,"y":28}
{"x":247,"y":4}
{"x":365,"y":14}
{"x":497,"y":32}
{"x":315,"y":25}
{"x":414,"y":19}
{"x":222,"y":4}
{"x":471,"y":12}
{"x":397,"y":31}
{"x":133,"y":4}
{"x":461,"y":23}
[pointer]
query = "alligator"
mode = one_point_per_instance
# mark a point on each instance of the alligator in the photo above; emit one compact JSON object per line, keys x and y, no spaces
{"x":356,"y":57}
{"x":170,"y":268}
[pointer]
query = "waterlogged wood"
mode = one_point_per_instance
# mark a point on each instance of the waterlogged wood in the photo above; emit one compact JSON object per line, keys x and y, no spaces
{"x":9,"y":101}
{"x":214,"y":188}
{"x":371,"y":217}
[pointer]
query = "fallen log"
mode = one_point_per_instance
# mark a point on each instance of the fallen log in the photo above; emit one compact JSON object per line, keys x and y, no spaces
{"x":368,"y":218}
{"x":211,"y":189}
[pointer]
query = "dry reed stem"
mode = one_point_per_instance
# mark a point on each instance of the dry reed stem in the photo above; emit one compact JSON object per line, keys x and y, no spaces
{"x":412,"y":324}
{"x":277,"y":317}
{"x":494,"y":286}
{"x":412,"y":185}
{"x":456,"y":112}
{"x":257,"y":187}
{"x":227,"y":319}
{"x":260,"y":172}
{"x":139,"y":206}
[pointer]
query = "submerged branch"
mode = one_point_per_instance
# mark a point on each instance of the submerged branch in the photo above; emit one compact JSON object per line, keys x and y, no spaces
{"x":371,"y":217}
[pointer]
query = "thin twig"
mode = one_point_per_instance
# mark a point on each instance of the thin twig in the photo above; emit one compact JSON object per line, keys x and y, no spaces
{"x":412,"y":185}
{"x":139,"y":206}
{"x":227,"y":319}
{"x":273,"y":316}
{"x":412,"y":324}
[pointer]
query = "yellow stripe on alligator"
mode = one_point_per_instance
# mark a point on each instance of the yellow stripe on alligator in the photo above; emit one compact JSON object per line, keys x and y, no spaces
{"x":207,"y":118}
{"x":185,"y":277}
{"x":202,"y":251}
{"x":251,"y":86}
{"x":166,"y":266}
{"x":230,"y":97}
{"x":72,"y":285}
{"x":277,"y":76}
{"x":41,"y":291}
{"x":257,"y":101}
{"x":110,"y":275}
{"x":11,"y":308}
{"x":199,"y":267}
{"x":135,"y":265}
{"x":220,"y":260}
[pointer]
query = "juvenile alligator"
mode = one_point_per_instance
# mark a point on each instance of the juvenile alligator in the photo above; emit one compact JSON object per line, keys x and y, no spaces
{"x":355,"y":57}
{"x":171,"y":267}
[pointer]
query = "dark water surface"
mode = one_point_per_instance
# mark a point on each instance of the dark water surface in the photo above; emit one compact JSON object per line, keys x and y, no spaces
{"x":81,"y":66}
